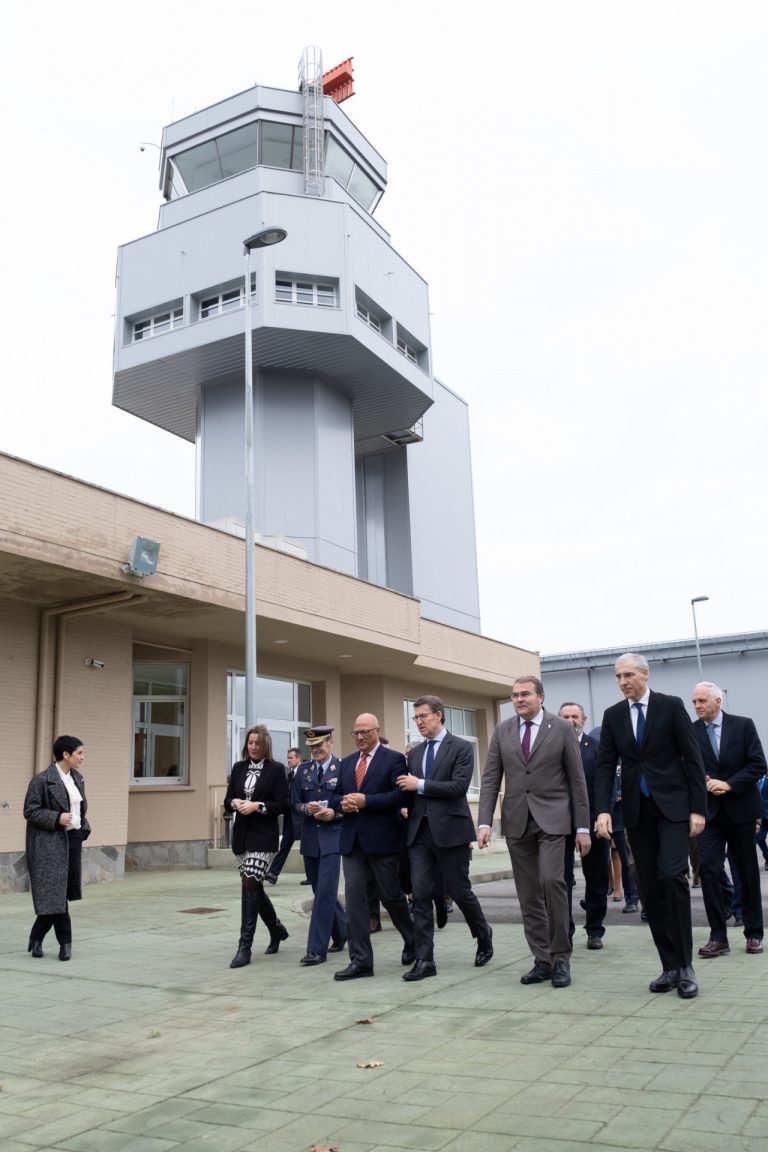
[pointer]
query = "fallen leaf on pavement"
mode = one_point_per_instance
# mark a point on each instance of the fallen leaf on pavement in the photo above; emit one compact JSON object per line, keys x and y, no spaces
{"x":371,"y":1064}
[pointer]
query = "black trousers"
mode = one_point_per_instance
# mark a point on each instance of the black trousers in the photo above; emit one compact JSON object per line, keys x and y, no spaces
{"x":428,"y":862}
{"x":359,"y":870}
{"x":595,"y":868}
{"x":660,"y":849}
{"x":721,"y":835}
{"x":61,"y":924}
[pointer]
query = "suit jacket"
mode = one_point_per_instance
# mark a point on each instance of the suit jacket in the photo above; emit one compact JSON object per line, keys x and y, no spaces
{"x":550,"y":787}
{"x":318,"y":838}
{"x":376,"y":829}
{"x":588,"y":747}
{"x":669,"y":758}
{"x":444,"y":799}
{"x":259,"y":831}
{"x":741,"y":763}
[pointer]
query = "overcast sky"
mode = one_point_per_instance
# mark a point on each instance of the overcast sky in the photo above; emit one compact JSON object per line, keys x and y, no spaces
{"x":584,"y":186}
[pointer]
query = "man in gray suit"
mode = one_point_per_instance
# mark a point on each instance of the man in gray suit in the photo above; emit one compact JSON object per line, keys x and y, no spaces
{"x":536,"y":754}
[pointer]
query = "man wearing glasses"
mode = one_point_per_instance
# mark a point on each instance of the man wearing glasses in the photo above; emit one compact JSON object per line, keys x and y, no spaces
{"x":440,"y":830}
{"x":369,"y":799}
{"x":536,"y":755}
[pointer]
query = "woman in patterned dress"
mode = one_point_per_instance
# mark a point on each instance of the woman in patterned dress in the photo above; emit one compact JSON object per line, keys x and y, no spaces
{"x":257,"y":795}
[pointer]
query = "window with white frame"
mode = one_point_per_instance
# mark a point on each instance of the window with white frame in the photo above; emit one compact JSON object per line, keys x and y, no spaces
{"x":228,"y":298}
{"x":160,"y":709}
{"x":285,"y":706}
{"x":407,"y":350}
{"x":461,"y":722}
{"x":157,"y":324}
{"x":317,"y":293}
{"x":370,"y":318}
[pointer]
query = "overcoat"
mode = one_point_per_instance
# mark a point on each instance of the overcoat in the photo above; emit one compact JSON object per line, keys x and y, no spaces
{"x":54,"y":856}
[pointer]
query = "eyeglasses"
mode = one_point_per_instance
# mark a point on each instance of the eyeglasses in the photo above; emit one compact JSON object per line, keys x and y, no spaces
{"x":423,"y":716}
{"x":363,"y":731}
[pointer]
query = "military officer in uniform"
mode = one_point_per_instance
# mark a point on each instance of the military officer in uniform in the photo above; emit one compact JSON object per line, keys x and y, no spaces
{"x":313,"y":785}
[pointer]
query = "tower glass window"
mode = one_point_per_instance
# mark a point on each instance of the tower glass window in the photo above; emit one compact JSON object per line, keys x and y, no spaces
{"x":160,"y":724}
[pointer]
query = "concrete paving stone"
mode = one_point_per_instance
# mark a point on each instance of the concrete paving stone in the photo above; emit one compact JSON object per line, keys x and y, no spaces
{"x":242,"y":1115}
{"x":218,"y":1139}
{"x":394,"y":1084}
{"x":396,"y":1111}
{"x":746,"y":1089}
{"x":674,"y":1101}
{"x":540,"y":1099}
{"x":155,"y":1115}
{"x":481,"y":1142}
{"x":522,"y":1124}
{"x":636,"y":1126}
{"x":54,"y":1131}
{"x":683,"y":1078}
{"x":724,"y":1114}
{"x":539,"y":1144}
{"x":413,"y":1136}
{"x":687,"y":1140}
{"x":100,"y":1140}
{"x":591,"y":1076}
{"x":463,"y":1113}
{"x":297,"y":1135}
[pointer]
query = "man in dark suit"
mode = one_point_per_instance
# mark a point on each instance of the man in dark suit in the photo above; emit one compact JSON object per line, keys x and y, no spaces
{"x":734,"y":763}
{"x":595,"y":864}
{"x":291,"y":823}
{"x":368,"y":798}
{"x":440,"y":830}
{"x":536,"y":755}
{"x":314,"y":783}
{"x":664,"y":798}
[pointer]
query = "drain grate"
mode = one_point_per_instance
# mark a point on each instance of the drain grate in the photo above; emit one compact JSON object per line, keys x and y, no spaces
{"x":200,"y":911}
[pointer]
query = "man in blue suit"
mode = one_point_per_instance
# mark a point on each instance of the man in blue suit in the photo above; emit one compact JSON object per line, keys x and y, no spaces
{"x":595,"y":864}
{"x":314,"y":784}
{"x":734,"y":763}
{"x":368,"y":798}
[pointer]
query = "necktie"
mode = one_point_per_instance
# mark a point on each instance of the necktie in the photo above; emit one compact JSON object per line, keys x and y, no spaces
{"x":319,"y":773}
{"x":526,"y":742}
{"x":430,"y":758}
{"x":713,"y":740}
{"x":360,"y":771}
{"x":639,"y":738}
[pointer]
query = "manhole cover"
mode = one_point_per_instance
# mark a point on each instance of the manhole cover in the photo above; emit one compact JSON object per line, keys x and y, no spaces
{"x":200,"y":911}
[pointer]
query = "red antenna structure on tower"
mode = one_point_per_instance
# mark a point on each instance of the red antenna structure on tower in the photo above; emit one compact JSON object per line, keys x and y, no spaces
{"x":337,"y":83}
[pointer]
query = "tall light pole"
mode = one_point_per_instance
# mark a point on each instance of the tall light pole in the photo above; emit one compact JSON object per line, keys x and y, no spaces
{"x":697,"y":600}
{"x":263,"y":239}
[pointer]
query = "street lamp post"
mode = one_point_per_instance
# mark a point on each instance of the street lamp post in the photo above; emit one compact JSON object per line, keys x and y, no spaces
{"x":263,"y":239}
{"x":697,"y":600}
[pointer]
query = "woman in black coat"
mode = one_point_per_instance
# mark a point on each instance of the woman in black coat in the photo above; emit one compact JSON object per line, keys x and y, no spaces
{"x":257,"y":795}
{"x":54,"y":809}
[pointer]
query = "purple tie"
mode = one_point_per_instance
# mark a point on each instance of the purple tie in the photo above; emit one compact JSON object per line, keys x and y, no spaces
{"x":526,"y":743}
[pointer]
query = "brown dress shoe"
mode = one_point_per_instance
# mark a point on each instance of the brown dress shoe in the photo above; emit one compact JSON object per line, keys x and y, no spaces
{"x":714,"y":948}
{"x":754,"y":945}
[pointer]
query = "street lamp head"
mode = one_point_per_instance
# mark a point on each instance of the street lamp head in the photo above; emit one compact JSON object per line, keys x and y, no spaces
{"x":698,"y":599}
{"x":265,"y":238}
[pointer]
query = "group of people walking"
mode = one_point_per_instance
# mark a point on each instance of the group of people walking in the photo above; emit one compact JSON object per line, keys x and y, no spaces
{"x":679,"y":780}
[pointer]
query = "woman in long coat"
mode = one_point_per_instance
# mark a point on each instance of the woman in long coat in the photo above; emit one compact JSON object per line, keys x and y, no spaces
{"x":257,"y":794}
{"x":55,"y":810}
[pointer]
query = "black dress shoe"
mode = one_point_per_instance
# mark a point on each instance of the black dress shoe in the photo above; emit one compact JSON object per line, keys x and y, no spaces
{"x":35,"y":947}
{"x":311,"y":958}
{"x":420,"y":970}
{"x":270,"y":879}
{"x":305,"y":881}
{"x":687,"y":986}
{"x":339,"y":946}
{"x":408,"y":956}
{"x":561,"y":973}
{"x":629,"y":908}
{"x":594,"y":943}
{"x":668,"y":980}
{"x":538,"y":974}
{"x":374,"y":924}
{"x":484,"y":949}
{"x":583,"y":904}
{"x":65,"y":952}
{"x":352,"y":972}
{"x":441,"y":913}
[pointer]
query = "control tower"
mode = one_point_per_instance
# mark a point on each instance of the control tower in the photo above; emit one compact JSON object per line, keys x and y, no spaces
{"x":362,"y":456}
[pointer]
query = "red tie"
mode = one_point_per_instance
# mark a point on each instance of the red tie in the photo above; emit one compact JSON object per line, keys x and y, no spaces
{"x":526,"y":744}
{"x":360,"y":771}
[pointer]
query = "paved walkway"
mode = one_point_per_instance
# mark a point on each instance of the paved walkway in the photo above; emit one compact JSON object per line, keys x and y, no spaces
{"x":147,"y":1041}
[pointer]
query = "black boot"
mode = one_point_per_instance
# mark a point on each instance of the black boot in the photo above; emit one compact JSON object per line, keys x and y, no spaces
{"x":250,"y":910}
{"x":277,"y":931}
{"x":35,"y":946}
